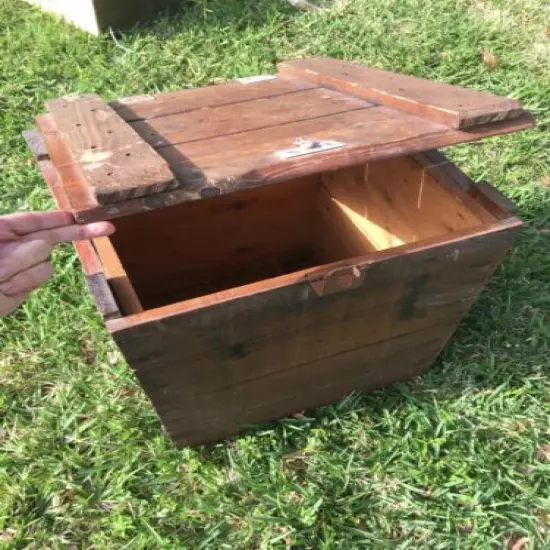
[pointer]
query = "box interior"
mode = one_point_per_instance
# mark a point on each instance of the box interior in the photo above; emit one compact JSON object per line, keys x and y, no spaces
{"x":197,"y":248}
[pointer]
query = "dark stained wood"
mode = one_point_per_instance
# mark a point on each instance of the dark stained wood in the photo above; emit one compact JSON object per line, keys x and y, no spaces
{"x":115,"y":162}
{"x":136,"y":108}
{"x":183,"y":251}
{"x":493,"y":200}
{"x":236,"y":118}
{"x":228,"y":411}
{"x":459,"y":108}
{"x":256,"y":335}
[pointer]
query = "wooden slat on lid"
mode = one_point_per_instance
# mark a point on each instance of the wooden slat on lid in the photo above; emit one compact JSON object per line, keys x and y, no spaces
{"x":114,"y":160}
{"x":238,"y":118}
{"x":230,"y":163}
{"x":254,"y":158}
{"x":238,"y":91}
{"x":197,"y":144}
{"x":459,"y":108}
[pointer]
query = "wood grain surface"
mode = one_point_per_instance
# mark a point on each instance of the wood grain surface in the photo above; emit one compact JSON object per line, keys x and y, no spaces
{"x":457,"y":107}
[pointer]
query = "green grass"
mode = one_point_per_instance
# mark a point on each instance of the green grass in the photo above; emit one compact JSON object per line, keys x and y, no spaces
{"x":457,"y":459}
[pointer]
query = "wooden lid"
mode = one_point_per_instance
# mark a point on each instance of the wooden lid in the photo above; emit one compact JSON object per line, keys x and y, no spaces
{"x":317,"y":114}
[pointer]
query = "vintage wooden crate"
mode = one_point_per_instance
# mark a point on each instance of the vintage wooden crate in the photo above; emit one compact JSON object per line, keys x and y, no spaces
{"x":281,"y":241}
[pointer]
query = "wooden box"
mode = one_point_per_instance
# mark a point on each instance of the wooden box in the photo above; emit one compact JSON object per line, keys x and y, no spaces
{"x":96,"y":16}
{"x":281,"y":241}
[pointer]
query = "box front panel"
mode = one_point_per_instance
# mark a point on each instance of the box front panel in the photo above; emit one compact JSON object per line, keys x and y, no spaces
{"x":263,"y":356}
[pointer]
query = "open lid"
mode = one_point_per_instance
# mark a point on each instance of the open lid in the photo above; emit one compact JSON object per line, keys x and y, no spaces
{"x":317,"y":114}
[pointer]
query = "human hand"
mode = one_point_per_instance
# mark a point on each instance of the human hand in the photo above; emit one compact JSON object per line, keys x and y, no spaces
{"x":26,"y":243}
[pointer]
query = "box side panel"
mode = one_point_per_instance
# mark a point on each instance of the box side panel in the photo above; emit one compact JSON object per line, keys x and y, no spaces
{"x":304,"y":387}
{"x":212,"y":364}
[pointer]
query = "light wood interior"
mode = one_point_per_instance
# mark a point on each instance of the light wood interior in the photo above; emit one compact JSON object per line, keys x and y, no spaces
{"x":197,"y":248}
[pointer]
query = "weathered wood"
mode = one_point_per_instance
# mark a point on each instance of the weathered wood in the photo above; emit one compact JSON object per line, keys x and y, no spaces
{"x":147,"y":107}
{"x":229,"y":410}
{"x":225,"y":241}
{"x":115,"y":162}
{"x":250,"y":337}
{"x":117,"y":276}
{"x":493,"y":200}
{"x":262,"y":300}
{"x":243,"y":134}
{"x":459,"y":108}
{"x":237,"y":118}
{"x":230,"y":163}
{"x":93,"y":269}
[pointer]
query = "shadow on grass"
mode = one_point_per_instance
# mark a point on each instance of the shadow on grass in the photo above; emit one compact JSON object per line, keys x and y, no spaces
{"x":235,"y":14}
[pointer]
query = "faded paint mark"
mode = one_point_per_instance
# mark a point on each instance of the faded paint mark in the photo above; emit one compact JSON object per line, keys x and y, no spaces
{"x":102,"y":116}
{"x":254,"y":79}
{"x":91,"y":157}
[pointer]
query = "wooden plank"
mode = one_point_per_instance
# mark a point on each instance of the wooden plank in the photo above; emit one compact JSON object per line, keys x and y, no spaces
{"x":99,"y":288}
{"x":493,"y":200}
{"x":456,"y":182}
{"x":117,"y":276}
{"x":251,"y":158}
{"x":228,"y":411}
{"x":228,"y":120}
{"x":115,"y":162}
{"x":246,"y":340}
{"x":168,"y":253}
{"x":147,"y":107}
{"x":397,"y":201}
{"x":459,"y":108}
{"x":230,"y":163}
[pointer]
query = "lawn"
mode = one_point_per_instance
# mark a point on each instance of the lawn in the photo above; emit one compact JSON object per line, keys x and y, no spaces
{"x":457,"y":459}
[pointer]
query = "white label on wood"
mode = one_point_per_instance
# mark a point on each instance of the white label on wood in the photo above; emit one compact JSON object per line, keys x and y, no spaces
{"x":254,"y":79}
{"x":308,"y":147}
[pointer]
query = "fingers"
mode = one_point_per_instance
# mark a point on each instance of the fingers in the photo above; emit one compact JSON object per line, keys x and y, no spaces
{"x":25,"y":281}
{"x":10,"y":303}
{"x":73,"y":232}
{"x":22,"y":256}
{"x":24,"y":223}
